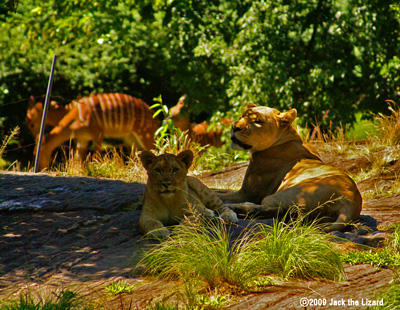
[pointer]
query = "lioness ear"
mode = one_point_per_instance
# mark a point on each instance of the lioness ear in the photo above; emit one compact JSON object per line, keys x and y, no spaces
{"x":186,"y":157}
{"x":287,"y":118}
{"x":147,"y":159}
{"x":250,"y":105}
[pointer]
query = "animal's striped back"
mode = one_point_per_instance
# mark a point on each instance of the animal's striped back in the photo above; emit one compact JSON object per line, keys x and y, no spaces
{"x":116,"y":112}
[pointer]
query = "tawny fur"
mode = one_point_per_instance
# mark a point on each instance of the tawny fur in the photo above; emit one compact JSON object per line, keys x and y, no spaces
{"x":171,"y":195}
{"x":285,"y":171}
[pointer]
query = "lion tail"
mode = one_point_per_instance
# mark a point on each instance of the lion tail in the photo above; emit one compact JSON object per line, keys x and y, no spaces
{"x":349,"y":212}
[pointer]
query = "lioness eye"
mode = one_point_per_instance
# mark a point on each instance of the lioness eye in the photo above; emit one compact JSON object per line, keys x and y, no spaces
{"x":259,"y":122}
{"x":175,"y":171}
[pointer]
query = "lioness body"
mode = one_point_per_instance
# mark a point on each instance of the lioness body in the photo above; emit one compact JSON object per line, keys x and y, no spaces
{"x":171,"y":195}
{"x":285,"y":171}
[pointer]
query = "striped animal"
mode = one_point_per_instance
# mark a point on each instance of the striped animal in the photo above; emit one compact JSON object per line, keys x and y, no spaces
{"x":199,"y":133}
{"x":95,"y":117}
{"x":34,"y":114}
{"x":204,"y":136}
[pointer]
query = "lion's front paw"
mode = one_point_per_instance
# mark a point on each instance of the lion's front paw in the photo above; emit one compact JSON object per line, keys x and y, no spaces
{"x":229,"y":216}
{"x":242,"y":208}
{"x":161,"y":233}
{"x":209,"y":213}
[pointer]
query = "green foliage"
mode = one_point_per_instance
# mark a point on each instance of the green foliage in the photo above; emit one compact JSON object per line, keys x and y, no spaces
{"x":363,"y":129}
{"x":99,"y":43}
{"x":102,"y":46}
{"x":219,"y":158}
{"x":213,"y":302}
{"x":170,"y":139}
{"x":167,"y":133}
{"x":315,"y":56}
{"x":310,"y":55}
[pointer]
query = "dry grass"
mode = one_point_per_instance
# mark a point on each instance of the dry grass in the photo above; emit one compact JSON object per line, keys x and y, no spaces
{"x":389,"y":125}
{"x":384,"y":191}
{"x":115,"y":164}
{"x":381,"y":152}
{"x":221,"y":183}
{"x":178,"y":142}
{"x":333,"y":142}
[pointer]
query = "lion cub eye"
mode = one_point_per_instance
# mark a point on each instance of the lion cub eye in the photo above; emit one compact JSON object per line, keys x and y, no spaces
{"x":258,"y":123}
{"x":157,"y":171}
{"x":175,"y":171}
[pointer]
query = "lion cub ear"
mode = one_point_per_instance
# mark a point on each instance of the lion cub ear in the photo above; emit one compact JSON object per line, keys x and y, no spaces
{"x":287,"y":118}
{"x":186,"y":157}
{"x":250,"y":105}
{"x":147,"y":159}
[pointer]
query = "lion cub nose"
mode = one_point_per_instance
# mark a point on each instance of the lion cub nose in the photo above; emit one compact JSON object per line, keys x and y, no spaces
{"x":166,"y":182}
{"x":235,"y":128}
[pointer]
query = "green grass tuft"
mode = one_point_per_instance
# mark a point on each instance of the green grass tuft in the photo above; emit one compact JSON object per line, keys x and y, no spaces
{"x":65,"y":300}
{"x":383,"y":258}
{"x":296,"y":250}
{"x":119,"y":287}
{"x":391,"y":297}
{"x":387,"y":257}
{"x":204,"y":253}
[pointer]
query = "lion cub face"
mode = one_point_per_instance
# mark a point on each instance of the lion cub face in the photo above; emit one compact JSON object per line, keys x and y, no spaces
{"x":259,"y":128}
{"x":166,"y":172}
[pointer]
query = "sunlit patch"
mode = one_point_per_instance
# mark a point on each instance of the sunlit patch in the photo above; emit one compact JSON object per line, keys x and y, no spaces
{"x":12,"y":235}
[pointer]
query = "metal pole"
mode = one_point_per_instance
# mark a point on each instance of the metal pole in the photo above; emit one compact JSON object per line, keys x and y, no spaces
{"x":46,"y":104}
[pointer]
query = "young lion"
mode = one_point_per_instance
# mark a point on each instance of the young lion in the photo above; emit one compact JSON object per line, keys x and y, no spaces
{"x":171,"y":195}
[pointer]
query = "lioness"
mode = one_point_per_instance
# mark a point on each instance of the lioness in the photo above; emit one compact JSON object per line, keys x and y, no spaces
{"x":285,"y":171}
{"x":171,"y":195}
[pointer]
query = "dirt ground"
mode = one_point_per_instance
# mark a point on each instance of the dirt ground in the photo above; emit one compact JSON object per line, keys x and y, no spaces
{"x":82,"y":233}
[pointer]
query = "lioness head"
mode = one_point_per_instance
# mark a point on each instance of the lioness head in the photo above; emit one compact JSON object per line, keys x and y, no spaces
{"x":166,"y":172}
{"x":260,"y":127}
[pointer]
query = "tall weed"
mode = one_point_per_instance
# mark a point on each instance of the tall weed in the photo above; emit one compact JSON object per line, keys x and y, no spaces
{"x":6,"y":140}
